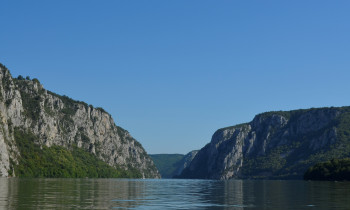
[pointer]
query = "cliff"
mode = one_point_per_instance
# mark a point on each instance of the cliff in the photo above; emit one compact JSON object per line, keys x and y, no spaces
{"x":275,"y":145}
{"x":184,"y":163}
{"x":54,"y":120}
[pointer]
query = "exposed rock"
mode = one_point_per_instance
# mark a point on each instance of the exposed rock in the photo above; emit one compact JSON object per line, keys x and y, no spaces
{"x":59,"y":120}
{"x":185,"y":162}
{"x":275,"y":145}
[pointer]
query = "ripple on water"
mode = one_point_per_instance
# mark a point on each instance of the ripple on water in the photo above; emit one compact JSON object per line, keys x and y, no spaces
{"x":170,"y":194}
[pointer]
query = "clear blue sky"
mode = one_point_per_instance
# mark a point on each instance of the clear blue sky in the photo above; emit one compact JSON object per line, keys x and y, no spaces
{"x":173,"y":72}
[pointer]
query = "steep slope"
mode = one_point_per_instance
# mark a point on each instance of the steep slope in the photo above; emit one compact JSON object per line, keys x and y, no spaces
{"x":54,"y":120}
{"x":275,"y":145}
{"x":171,"y":165}
{"x":184,"y":163}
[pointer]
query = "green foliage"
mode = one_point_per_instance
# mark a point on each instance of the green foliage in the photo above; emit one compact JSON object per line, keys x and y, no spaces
{"x":8,"y":102}
{"x":270,"y":163}
{"x":31,"y":105}
{"x":343,"y":126}
{"x":235,"y":126}
{"x":101,"y":109}
{"x":57,"y":161}
{"x":30,"y":99}
{"x":48,"y":109}
{"x":84,"y":138}
{"x":68,"y":111}
{"x":9,"y":124}
{"x":333,"y":170}
{"x":6,"y":80}
{"x":3,"y":67}
{"x":35,"y":80}
{"x":20,"y":77}
{"x":280,"y":113}
{"x":121,"y":133}
{"x":167,"y":163}
{"x":71,"y":103}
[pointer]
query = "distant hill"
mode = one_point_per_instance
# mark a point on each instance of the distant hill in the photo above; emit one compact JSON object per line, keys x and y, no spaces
{"x":167,"y":164}
{"x":171,"y":165}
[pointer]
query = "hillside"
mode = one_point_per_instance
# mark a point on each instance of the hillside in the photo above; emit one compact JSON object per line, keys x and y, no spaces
{"x":275,"y":145}
{"x":171,"y":165}
{"x":167,"y":164}
{"x":43,"y":134}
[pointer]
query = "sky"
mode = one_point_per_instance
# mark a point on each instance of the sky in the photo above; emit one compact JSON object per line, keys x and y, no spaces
{"x":173,"y":72}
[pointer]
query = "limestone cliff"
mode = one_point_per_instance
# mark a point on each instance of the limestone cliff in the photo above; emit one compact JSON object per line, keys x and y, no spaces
{"x":275,"y":145}
{"x":185,"y":162}
{"x":59,"y":120}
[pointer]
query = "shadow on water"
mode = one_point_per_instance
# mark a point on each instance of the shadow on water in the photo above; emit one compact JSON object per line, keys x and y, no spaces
{"x":171,"y":194}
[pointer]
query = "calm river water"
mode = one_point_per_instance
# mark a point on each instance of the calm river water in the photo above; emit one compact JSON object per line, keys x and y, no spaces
{"x":171,"y":194}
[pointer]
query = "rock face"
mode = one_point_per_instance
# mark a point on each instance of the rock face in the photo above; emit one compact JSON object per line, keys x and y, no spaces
{"x":59,"y":120}
{"x":185,"y":162}
{"x":275,"y":145}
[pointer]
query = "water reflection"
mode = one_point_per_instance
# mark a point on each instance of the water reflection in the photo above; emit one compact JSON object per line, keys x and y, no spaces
{"x":4,"y":193}
{"x":170,"y":194}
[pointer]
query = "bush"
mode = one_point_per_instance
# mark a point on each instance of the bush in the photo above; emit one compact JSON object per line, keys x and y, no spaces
{"x":333,"y":170}
{"x":20,"y":77}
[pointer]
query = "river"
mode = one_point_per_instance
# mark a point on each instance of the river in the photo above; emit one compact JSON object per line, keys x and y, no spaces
{"x":20,"y":193}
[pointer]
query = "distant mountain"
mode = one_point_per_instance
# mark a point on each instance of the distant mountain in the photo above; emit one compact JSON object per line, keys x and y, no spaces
{"x":43,"y":134}
{"x":170,"y":165}
{"x":275,"y":145}
{"x":167,"y":163}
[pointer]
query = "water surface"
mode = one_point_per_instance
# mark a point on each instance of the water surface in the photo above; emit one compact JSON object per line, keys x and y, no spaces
{"x":18,"y":193}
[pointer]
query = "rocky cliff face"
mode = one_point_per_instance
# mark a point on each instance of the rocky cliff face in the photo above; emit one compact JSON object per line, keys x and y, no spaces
{"x":185,"y":162}
{"x":59,"y":120}
{"x":277,"y":145}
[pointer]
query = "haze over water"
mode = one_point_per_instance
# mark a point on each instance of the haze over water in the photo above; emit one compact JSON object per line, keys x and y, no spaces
{"x":171,"y":194}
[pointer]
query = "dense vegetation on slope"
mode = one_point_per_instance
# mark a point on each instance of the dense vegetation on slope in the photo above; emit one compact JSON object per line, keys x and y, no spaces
{"x":59,"y":162}
{"x":167,"y":164}
{"x":335,"y":169}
